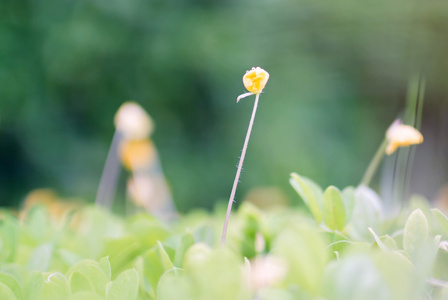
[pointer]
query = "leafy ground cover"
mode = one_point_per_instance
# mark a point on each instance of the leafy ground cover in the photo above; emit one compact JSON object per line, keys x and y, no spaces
{"x":344,"y":246}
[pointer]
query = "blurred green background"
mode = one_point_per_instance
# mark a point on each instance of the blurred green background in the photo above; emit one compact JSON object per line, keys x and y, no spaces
{"x":339,"y":72}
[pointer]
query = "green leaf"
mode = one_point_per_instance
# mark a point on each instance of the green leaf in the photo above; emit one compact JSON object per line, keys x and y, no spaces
{"x":348,"y":195}
{"x":186,"y":242}
{"x":415,"y":232}
{"x":40,"y":258}
{"x":333,"y":209}
{"x":367,"y":212}
{"x":173,"y":278}
{"x":55,"y":287}
{"x":92,"y":272}
{"x":104,"y":264}
{"x":12,"y":283}
{"x":122,"y":251}
{"x":156,"y":262}
{"x":124,"y":287}
{"x":310,"y":192}
{"x":6,"y":293}
{"x":34,"y":286}
{"x":80,"y":283}
{"x":355,"y":277}
{"x":441,"y":219}
{"x":306,"y":255}
{"x":85,"y":296}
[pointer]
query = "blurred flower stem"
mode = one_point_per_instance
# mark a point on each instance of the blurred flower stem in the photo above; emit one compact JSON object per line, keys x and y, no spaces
{"x":238,"y":172}
{"x":374,"y":163}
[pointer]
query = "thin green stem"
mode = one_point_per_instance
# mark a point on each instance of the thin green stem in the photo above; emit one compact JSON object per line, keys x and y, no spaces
{"x":374,"y":164}
{"x":238,"y":172}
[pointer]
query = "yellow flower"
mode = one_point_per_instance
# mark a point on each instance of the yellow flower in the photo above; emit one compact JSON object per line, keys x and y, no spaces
{"x":137,"y":154}
{"x":255,"y":80}
{"x":399,"y":135}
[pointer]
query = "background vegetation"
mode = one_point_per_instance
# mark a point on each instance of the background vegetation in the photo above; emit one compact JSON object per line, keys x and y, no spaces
{"x":339,"y":76}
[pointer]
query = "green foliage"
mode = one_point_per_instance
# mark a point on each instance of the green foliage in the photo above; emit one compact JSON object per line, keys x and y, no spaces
{"x":345,"y":248}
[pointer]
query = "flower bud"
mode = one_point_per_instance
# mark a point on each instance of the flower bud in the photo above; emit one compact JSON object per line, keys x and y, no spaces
{"x":255,"y":80}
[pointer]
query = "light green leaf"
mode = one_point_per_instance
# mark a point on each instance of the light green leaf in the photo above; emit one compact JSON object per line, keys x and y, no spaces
{"x":124,"y":287}
{"x":415,"y":232}
{"x":92,"y":272}
{"x":40,"y":258}
{"x":6,"y":293}
{"x":12,"y":283}
{"x":441,"y":219}
{"x":34,"y":286}
{"x":80,"y":283}
{"x":85,"y":296}
{"x":104,"y":264}
{"x":367,"y":212}
{"x":333,"y":209}
{"x":306,"y":255}
{"x":55,"y":287}
{"x":348,"y":195}
{"x":186,"y":242}
{"x":310,"y":192}
{"x":156,"y":262}
{"x":173,"y":278}
{"x":355,"y":277}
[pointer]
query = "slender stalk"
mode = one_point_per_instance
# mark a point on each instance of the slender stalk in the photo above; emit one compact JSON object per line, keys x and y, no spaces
{"x":238,"y":172}
{"x":374,"y":164}
{"x":111,"y":174}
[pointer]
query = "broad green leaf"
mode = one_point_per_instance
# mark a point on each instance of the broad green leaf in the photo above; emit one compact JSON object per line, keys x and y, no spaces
{"x":55,"y":287}
{"x":309,"y":192}
{"x":333,"y":209}
{"x":121,"y":252}
{"x":12,"y":283}
{"x":398,"y":271}
{"x":85,"y":296}
{"x":124,"y":287}
{"x":40,"y":258}
{"x":186,"y":241}
{"x":6,"y":293}
{"x":80,"y":283}
{"x":104,"y":264}
{"x":34,"y":286}
{"x":147,"y":229}
{"x":173,"y":278}
{"x":441,"y":219}
{"x":367,"y":212}
{"x":196,"y":254}
{"x":348,"y":195}
{"x":415,"y":232}
{"x":8,"y":239}
{"x":223,"y":266}
{"x":156,"y":262}
{"x":92,"y":272}
{"x":355,"y":277}
{"x":306,"y":255}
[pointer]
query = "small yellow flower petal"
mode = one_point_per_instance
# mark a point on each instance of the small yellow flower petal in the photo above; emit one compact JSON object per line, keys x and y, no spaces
{"x":255,"y":80}
{"x":400,"y":135}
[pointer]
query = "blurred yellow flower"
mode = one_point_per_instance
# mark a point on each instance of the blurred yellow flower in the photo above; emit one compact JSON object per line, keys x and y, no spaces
{"x":255,"y":80}
{"x":399,"y":135}
{"x":137,"y":155}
